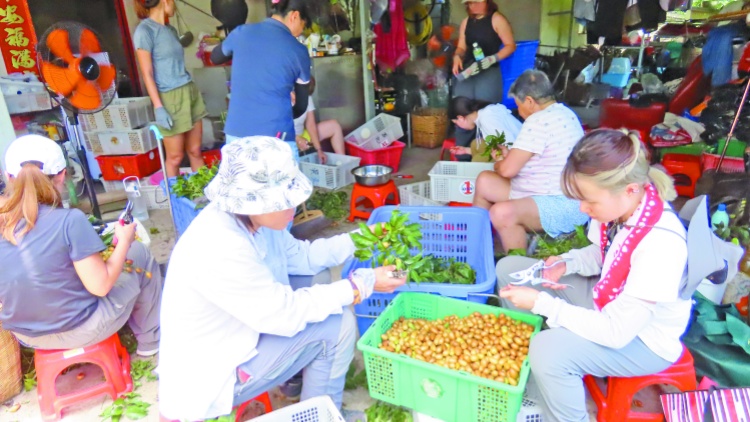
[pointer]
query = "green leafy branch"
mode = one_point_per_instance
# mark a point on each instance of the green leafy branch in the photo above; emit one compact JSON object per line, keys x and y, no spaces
{"x":493,"y":143}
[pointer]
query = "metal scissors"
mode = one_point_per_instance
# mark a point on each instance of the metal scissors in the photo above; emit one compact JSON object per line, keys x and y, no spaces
{"x":126,"y":217}
{"x":533,"y":274}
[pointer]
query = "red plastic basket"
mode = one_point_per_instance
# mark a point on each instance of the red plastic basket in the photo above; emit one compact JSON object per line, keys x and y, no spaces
{"x":389,"y":156}
{"x":729,"y":165}
{"x":118,"y":167}
{"x":211,"y":157}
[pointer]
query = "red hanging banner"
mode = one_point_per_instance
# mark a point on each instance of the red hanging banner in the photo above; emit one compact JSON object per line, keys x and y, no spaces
{"x":17,"y":37}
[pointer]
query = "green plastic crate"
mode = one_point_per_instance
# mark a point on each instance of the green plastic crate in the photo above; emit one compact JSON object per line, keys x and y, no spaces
{"x":735,"y":149}
{"x":442,"y":393}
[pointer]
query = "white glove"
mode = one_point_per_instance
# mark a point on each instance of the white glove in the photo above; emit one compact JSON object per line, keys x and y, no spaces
{"x":364,"y":281}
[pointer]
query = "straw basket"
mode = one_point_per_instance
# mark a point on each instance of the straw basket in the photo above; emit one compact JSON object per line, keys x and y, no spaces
{"x":429,"y":126}
{"x":10,"y":366}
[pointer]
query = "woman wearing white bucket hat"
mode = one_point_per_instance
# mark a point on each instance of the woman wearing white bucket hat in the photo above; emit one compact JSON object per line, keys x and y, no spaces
{"x":232,"y":327}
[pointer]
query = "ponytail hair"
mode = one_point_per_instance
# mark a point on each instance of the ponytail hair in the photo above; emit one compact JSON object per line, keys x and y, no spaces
{"x":463,"y":106}
{"x":30,"y":189}
{"x":613,"y":159}
{"x":284,"y":7}
{"x":143,"y":7}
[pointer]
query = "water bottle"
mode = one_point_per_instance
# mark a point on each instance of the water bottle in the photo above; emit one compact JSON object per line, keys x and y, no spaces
{"x":133,"y":190}
{"x":478,"y":53}
{"x":720,"y":217}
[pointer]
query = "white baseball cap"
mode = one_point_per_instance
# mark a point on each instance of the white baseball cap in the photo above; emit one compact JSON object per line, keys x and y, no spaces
{"x":43,"y":152}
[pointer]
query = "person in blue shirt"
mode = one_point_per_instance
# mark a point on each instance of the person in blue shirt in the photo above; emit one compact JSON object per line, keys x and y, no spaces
{"x":268,"y":65}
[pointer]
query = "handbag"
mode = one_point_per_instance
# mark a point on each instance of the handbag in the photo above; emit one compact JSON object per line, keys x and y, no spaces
{"x":719,"y":340}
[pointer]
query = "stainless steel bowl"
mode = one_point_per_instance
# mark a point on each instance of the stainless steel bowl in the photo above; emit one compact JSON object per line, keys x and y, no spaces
{"x":372,"y":175}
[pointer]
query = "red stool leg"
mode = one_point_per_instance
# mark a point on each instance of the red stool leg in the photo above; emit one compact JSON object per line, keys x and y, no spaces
{"x":264,"y":399}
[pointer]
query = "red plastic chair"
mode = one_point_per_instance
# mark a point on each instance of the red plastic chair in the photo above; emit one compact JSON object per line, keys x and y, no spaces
{"x":616,"y":114}
{"x":616,"y":405}
{"x":376,"y":196}
{"x":447,"y":145}
{"x":109,"y":355}
{"x":691,"y":91}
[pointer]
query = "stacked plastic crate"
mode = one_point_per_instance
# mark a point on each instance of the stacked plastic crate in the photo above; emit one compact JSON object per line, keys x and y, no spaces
{"x":120,"y":139}
{"x":376,"y":142}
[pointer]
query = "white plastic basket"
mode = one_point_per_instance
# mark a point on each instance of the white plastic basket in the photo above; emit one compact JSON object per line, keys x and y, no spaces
{"x":417,"y":194}
{"x":121,"y":142}
{"x":316,"y":409}
{"x":378,"y":133}
{"x":120,"y":114}
{"x":455,"y":180}
{"x":336,"y":174}
{"x":28,"y":102}
{"x":530,"y":412}
{"x":10,"y":86}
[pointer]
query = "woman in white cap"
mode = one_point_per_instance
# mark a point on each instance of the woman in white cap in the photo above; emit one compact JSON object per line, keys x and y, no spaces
{"x":56,"y":290}
{"x":233,"y":328}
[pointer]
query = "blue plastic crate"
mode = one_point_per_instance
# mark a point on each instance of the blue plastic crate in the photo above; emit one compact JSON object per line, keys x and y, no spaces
{"x":184,"y":210}
{"x":453,"y":232}
{"x":514,"y":65}
{"x":619,"y":80}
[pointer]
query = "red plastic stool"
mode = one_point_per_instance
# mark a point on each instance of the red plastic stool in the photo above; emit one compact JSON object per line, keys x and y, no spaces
{"x":460,"y":204}
{"x":264,"y":398}
{"x":447,"y":145}
{"x":615,"y":406}
{"x":375,"y":195}
{"x":685,"y":169}
{"x":108,"y":355}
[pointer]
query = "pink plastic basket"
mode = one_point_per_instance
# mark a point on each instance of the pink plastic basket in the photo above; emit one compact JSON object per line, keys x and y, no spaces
{"x":389,"y":156}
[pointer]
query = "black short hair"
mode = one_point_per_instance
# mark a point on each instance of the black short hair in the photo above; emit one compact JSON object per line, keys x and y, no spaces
{"x":304,"y":7}
{"x":463,"y":106}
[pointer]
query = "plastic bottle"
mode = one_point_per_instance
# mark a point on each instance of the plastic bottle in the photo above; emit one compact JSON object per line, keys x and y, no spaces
{"x":477,"y":51}
{"x":133,"y":191}
{"x":720,"y":217}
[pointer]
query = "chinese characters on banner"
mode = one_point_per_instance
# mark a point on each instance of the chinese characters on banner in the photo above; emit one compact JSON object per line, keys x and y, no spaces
{"x":17,"y":37}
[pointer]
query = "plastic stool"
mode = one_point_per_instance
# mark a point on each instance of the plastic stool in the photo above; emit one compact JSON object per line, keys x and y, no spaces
{"x":460,"y":204}
{"x":447,"y":145}
{"x":108,"y":355}
{"x":685,"y":169}
{"x":620,"y":391}
{"x":376,"y":195}
{"x":264,"y":398}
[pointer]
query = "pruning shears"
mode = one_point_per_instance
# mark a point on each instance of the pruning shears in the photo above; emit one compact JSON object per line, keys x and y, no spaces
{"x":533,"y":274}
{"x":126,"y":217}
{"x":398,"y":274}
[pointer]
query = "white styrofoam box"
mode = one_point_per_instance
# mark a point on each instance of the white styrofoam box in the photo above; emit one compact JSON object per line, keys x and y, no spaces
{"x":117,"y":185}
{"x":316,"y":409}
{"x":335,"y":174}
{"x":121,"y":142}
{"x":120,"y":114}
{"x":417,"y":194}
{"x":378,"y":133}
{"x":140,"y":231}
{"x":455,"y":180}
{"x":28,"y":102}
{"x":19,"y":86}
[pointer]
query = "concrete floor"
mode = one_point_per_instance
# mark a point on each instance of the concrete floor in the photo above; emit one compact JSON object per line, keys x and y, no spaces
{"x":415,"y":161}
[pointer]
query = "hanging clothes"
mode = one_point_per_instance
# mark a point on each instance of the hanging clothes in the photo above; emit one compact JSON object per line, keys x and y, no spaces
{"x":608,"y":22}
{"x":718,"y":53}
{"x":391,"y":49}
{"x":584,"y":10}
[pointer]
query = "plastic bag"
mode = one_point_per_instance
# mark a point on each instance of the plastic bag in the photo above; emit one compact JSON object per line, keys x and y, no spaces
{"x":652,"y":84}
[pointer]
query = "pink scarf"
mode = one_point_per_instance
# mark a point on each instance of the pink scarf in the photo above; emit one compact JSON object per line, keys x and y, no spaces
{"x":613,"y":282}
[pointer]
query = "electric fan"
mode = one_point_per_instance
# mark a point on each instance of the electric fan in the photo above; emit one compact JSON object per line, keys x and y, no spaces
{"x":74,"y":66}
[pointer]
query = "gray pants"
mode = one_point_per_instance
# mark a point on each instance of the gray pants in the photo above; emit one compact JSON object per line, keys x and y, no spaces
{"x":486,"y":86}
{"x":560,"y":358}
{"x":135,"y":299}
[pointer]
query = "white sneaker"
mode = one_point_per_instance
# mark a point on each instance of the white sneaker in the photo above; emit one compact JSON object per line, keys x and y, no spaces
{"x":146,"y":353}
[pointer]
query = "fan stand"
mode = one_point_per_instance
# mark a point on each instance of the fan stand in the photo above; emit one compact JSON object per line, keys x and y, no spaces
{"x":88,"y":180}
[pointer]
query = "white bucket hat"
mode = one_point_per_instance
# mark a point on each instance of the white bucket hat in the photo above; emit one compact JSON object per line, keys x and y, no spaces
{"x":258,"y":175}
{"x":44,"y":152}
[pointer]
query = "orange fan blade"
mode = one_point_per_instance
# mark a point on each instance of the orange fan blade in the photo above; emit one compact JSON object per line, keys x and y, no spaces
{"x":86,"y":96}
{"x":89,"y":44}
{"x":61,"y":80}
{"x":58,"y":43}
{"x":107,"y":75}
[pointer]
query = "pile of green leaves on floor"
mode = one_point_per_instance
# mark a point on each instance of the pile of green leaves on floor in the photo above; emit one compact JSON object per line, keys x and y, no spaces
{"x":334,"y":204}
{"x":129,"y":405}
{"x":392,"y":244}
{"x":355,"y":379}
{"x":384,"y":412}
{"x":192,"y":186}
{"x":547,"y":246}
{"x":493,"y":143}
{"x":140,"y":369}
